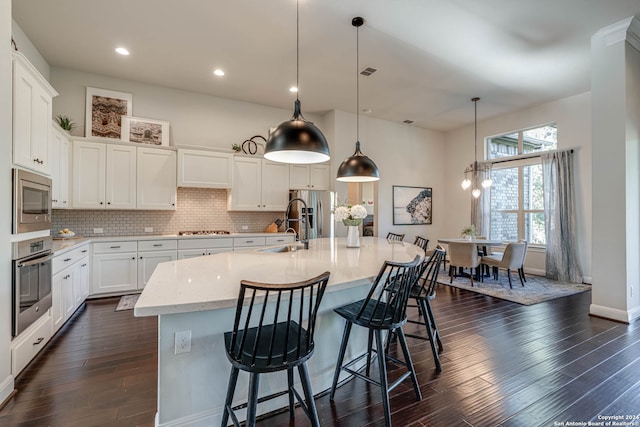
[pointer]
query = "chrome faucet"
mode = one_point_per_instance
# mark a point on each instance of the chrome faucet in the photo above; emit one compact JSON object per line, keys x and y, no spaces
{"x":305,"y":242}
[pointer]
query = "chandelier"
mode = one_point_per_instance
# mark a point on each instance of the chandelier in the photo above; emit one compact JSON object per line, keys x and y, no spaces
{"x":471,"y":172}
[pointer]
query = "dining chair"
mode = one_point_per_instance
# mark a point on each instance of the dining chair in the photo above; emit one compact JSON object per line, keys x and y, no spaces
{"x":383,"y":309}
{"x":280,"y":338}
{"x":511,"y":259}
{"x":524,"y":256}
{"x":394,"y":237}
{"x":463,"y":255}
{"x":422,"y":242}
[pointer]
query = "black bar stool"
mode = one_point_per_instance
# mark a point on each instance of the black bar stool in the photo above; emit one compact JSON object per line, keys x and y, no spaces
{"x":278,"y":341}
{"x":423,"y":292}
{"x":384,"y":309}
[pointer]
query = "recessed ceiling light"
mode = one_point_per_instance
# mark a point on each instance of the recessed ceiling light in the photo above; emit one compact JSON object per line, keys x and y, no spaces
{"x":122,"y":51}
{"x":293,"y":89}
{"x":218,"y":72}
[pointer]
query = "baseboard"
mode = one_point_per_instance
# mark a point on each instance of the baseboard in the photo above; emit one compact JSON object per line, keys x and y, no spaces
{"x":201,"y":419}
{"x":623,"y":316}
{"x":587,"y":280}
{"x":6,"y":390}
{"x":535,"y":272}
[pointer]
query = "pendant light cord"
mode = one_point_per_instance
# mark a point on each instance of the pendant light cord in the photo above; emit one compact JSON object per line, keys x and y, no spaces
{"x":358,"y":83}
{"x":297,"y":50}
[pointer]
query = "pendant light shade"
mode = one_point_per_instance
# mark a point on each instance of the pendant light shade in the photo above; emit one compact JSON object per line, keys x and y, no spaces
{"x":297,"y":140}
{"x":358,"y":168}
{"x":473,"y":168}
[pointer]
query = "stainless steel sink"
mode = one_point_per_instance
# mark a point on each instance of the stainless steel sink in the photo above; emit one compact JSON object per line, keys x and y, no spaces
{"x":287,"y":248}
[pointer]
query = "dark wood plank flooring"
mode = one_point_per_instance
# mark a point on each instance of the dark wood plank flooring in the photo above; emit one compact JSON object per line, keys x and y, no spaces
{"x":503,"y":365}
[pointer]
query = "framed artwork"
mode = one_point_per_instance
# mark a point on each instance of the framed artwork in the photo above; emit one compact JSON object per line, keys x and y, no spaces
{"x":145,"y":131}
{"x":411,"y":205}
{"x":104,"y":110}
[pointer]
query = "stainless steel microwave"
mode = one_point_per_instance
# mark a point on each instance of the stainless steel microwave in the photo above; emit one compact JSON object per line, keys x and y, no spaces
{"x":31,"y":202}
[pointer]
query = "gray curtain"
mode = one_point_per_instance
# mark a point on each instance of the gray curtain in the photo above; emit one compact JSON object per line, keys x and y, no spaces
{"x":481,"y":207}
{"x":559,"y":212}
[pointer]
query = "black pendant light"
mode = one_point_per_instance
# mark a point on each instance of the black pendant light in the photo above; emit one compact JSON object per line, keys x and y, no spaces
{"x":297,"y":140}
{"x":358,"y":168}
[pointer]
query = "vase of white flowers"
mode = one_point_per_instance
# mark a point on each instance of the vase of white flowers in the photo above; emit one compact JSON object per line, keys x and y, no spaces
{"x":351,"y":217}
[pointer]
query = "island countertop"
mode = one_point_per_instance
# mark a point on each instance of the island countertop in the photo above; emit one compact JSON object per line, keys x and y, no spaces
{"x":212,"y":282}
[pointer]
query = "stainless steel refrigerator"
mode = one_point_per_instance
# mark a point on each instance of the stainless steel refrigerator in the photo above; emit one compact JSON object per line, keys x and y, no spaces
{"x":320,"y":206}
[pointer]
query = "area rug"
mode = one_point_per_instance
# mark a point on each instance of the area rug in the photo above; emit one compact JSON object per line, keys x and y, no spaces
{"x":536,"y":289}
{"x":127,"y":302}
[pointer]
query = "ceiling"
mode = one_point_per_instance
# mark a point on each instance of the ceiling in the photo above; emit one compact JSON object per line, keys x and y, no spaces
{"x":432,"y":56}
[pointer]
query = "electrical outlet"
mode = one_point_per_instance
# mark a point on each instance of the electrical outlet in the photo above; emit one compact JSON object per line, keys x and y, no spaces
{"x":98,"y":231}
{"x":183,"y":342}
{"x":245,"y":227}
{"x":148,"y":229}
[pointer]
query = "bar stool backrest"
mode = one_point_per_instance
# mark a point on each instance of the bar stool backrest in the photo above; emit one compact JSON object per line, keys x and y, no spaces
{"x":268,"y":335}
{"x":394,"y":236}
{"x":426,"y":285}
{"x":386,"y":302}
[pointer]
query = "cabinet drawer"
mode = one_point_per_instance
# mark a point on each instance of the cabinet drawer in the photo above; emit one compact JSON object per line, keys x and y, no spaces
{"x":64,"y":260}
{"x":241,"y":242}
{"x":196,"y":243}
{"x":26,"y":346}
{"x":157,"y":245}
{"x":114,"y":247}
{"x":276,"y":240}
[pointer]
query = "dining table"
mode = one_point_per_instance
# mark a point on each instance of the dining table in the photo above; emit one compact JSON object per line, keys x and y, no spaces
{"x":483,"y":243}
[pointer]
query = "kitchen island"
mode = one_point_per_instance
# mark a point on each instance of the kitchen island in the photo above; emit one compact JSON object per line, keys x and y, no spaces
{"x":199,"y":295}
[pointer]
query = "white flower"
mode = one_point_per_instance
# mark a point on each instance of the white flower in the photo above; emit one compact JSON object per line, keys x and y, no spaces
{"x":342,"y":213}
{"x":358,"y":212}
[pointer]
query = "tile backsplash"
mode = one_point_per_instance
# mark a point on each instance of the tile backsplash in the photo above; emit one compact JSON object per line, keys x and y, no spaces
{"x":197,"y":209}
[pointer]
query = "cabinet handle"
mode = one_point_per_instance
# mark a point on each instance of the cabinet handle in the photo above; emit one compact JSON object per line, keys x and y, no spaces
{"x":280,"y":240}
{"x":38,"y":341}
{"x":83,"y":265}
{"x":157,"y":245}
{"x":108,"y":203}
{"x":114,"y":247}
{"x":140,"y":258}
{"x":248,"y":241}
{"x":173,"y":204}
{"x":134,"y":257}
{"x":203,"y":253}
{"x":54,"y":201}
{"x":67,"y":259}
{"x":64,"y":201}
{"x":84,"y":251}
{"x":102,"y":203}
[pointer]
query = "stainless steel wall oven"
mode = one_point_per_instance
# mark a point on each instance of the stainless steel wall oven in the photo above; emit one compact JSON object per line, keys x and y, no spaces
{"x":31,"y":288}
{"x":31,"y":202}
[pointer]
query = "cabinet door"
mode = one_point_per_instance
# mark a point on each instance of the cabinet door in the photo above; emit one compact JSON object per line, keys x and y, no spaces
{"x":156,"y":179}
{"x":32,"y":96}
{"x":114,"y":272}
{"x":245,"y":195}
{"x":275,"y":186}
{"x":147,"y":262}
{"x":204,"y":169}
{"x":191,"y":253}
{"x":80,"y":282}
{"x":89,"y":167}
{"x":299,"y":177}
{"x":57,"y":304}
{"x":319,"y":177}
{"x":120,"y":179}
{"x":67,"y":292}
{"x":59,"y":169}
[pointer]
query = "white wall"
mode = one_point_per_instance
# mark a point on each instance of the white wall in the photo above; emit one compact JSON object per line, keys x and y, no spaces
{"x":6,"y":379}
{"x":195,"y":119}
{"x":573,"y":117}
{"x":29,"y":50}
{"x":405,"y":155}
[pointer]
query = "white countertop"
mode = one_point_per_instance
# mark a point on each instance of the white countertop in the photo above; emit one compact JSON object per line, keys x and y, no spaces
{"x":211,"y":282}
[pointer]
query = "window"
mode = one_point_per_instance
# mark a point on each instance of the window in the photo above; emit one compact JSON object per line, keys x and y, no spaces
{"x":517,"y":205}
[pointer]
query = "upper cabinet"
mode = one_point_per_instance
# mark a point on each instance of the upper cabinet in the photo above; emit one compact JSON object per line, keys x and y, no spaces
{"x":32,"y":98}
{"x":60,"y":154}
{"x":204,"y":169}
{"x":259,"y":185}
{"x":156,"y":179}
{"x":104,"y":176}
{"x":309,"y":177}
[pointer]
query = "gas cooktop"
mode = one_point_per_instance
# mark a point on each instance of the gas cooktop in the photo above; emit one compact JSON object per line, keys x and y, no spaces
{"x":202,"y":233}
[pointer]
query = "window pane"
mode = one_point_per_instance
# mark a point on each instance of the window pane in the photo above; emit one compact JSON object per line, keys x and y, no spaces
{"x":504,"y":190}
{"x":504,"y":226}
{"x":544,"y":138}
{"x":534,"y":228}
{"x":532,"y":187}
{"x":503,"y":146}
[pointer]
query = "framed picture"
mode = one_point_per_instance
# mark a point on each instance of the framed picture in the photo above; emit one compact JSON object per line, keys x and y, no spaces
{"x":104,"y":110}
{"x":145,"y":131}
{"x":411,"y":205}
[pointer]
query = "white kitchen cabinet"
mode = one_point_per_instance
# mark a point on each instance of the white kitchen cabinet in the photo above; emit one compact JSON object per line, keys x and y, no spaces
{"x":70,"y":283}
{"x":204,"y":169}
{"x":309,"y":177}
{"x":104,"y":176}
{"x":114,"y":272}
{"x":150,"y":254}
{"x":156,"y":179}
{"x":81,"y":281}
{"x":60,"y":153}
{"x":27,"y":345}
{"x":32,"y":100}
{"x":191,"y":248}
{"x":259,"y":185}
{"x":60,"y":287}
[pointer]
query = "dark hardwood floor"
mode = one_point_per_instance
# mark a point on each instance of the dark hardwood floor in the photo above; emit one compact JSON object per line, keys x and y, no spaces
{"x":503,"y":364}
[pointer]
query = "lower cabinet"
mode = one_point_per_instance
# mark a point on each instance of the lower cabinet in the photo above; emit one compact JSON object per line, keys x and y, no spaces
{"x":25,"y":347}
{"x":115,"y":272}
{"x":190,"y":248}
{"x":69,"y":285}
{"x":148,"y":261}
